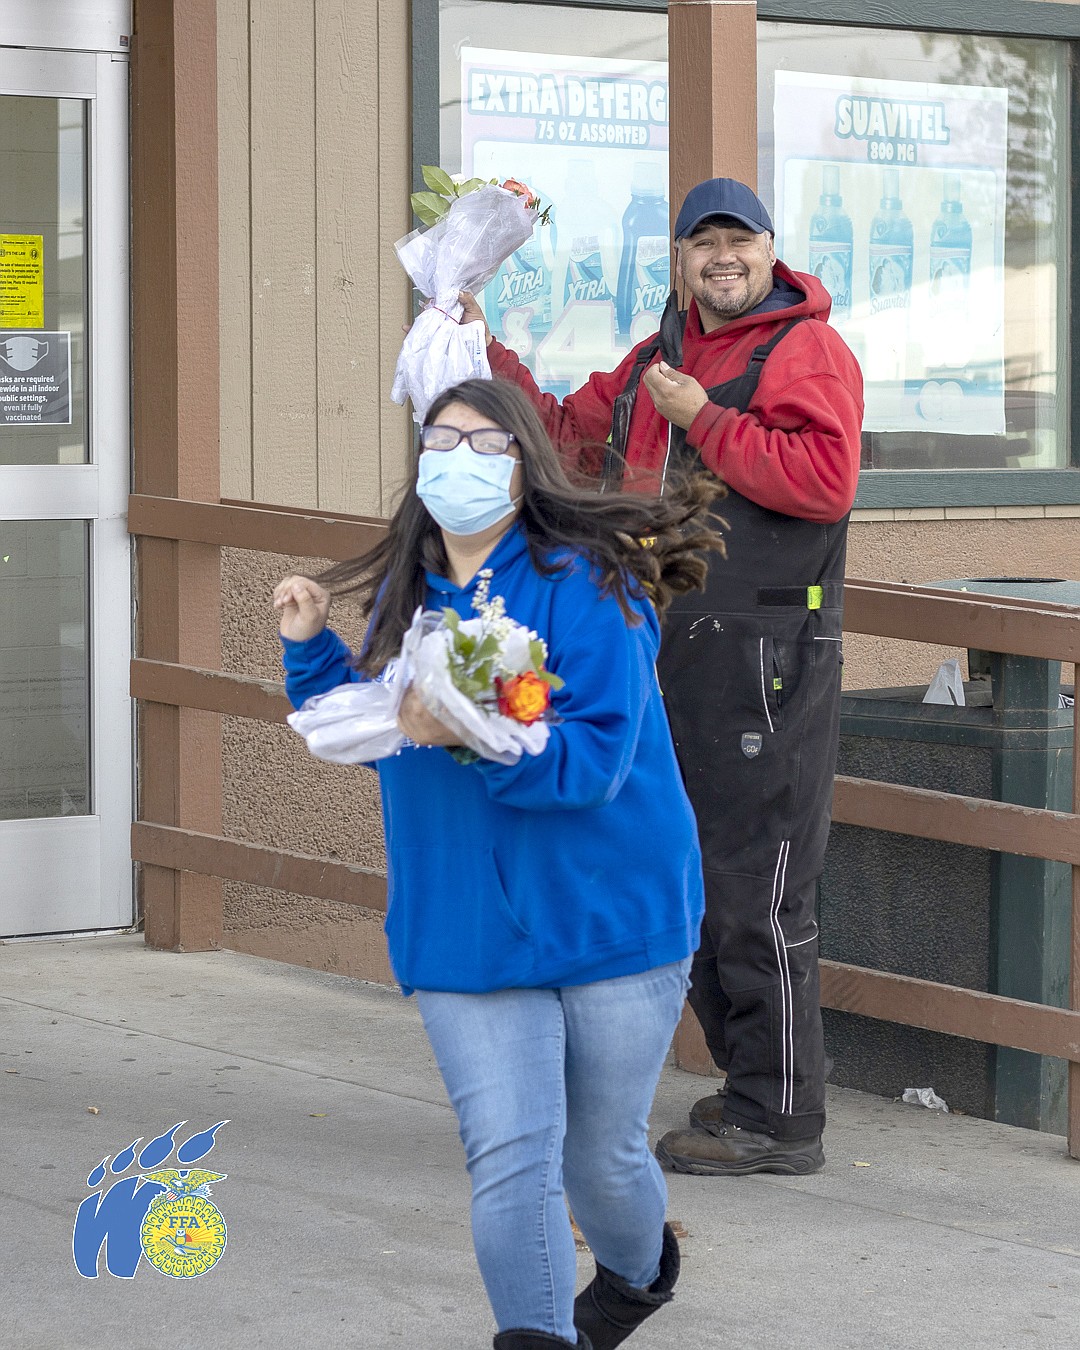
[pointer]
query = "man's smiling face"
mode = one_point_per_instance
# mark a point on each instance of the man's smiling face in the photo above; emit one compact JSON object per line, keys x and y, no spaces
{"x":727,"y":268}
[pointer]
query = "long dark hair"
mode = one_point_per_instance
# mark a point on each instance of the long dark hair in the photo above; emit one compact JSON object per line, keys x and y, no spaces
{"x":638,"y":545}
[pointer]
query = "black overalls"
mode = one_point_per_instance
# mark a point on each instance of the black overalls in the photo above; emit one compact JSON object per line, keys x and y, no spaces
{"x":750,"y":669}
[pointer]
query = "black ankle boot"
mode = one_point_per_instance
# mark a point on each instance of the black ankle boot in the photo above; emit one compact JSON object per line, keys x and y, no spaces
{"x":609,"y":1309}
{"x":536,"y":1340}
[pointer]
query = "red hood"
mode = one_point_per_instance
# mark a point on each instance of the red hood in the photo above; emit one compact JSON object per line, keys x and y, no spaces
{"x":816,"y":304}
{"x":794,"y":451}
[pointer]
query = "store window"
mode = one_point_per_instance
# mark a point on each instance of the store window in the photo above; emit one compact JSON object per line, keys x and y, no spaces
{"x":43,"y":281}
{"x":924,"y":177}
{"x":572,"y":102}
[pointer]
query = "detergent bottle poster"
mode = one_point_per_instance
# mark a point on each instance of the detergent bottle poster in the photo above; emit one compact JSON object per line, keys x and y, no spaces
{"x":893,"y":194}
{"x":590,"y":135}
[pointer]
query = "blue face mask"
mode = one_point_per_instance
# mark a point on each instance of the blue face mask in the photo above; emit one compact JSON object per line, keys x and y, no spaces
{"x":463,"y":491}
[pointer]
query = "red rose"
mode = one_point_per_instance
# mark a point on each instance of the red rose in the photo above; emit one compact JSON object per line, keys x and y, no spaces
{"x":522,"y":190}
{"x":524,"y":698}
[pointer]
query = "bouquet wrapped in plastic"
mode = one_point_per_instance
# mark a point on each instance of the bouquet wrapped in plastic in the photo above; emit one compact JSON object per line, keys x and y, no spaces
{"x":478,"y":229}
{"x":484,"y":678}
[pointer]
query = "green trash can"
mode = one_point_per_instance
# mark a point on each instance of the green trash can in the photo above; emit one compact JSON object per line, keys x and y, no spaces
{"x":947,"y":912}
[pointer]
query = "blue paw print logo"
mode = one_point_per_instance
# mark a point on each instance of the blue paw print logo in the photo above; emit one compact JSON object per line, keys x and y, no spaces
{"x":162,"y":1213}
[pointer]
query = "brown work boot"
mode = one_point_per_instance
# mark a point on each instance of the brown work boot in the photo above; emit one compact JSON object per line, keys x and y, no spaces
{"x":727,"y":1150}
{"x":709,"y":1111}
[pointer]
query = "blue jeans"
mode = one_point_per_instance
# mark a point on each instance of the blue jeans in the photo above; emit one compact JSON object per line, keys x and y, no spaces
{"x":552,"y":1089}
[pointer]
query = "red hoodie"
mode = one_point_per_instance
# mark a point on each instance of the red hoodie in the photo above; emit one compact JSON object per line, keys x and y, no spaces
{"x":796,"y":450}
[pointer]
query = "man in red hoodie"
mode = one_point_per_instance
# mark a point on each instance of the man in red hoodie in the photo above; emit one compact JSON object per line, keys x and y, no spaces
{"x":752,"y":384}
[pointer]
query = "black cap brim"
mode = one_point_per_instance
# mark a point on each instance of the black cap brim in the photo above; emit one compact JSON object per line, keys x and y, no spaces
{"x":753,"y":225}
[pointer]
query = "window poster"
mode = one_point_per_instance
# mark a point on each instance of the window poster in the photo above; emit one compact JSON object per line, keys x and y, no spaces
{"x":22,"y":281}
{"x":590,"y":136}
{"x":893,"y":193}
{"x":35,"y":379}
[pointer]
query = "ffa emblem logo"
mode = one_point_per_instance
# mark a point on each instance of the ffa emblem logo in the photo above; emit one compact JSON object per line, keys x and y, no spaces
{"x":751,"y":744}
{"x":164,"y":1213}
{"x":183,"y":1234}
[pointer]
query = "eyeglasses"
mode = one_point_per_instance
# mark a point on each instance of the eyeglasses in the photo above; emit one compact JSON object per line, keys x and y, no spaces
{"x":484,"y":440}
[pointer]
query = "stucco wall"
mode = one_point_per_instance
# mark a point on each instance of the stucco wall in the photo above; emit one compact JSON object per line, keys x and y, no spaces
{"x":275,"y":793}
{"x":961,"y":542}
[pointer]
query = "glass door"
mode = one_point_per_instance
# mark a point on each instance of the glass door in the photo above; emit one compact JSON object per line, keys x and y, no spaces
{"x":65,"y":575}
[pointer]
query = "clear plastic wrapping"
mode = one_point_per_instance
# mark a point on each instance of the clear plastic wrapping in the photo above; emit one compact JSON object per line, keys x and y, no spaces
{"x":462,"y":252}
{"x":357,"y":723}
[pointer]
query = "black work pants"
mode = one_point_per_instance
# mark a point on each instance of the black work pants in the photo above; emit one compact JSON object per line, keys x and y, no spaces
{"x":753,"y":700}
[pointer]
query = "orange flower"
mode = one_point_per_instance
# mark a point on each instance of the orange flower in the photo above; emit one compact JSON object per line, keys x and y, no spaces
{"x":522,"y":190}
{"x":524,"y":698}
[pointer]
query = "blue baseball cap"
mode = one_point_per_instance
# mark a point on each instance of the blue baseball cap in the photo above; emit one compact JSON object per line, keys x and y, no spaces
{"x":722,"y":197}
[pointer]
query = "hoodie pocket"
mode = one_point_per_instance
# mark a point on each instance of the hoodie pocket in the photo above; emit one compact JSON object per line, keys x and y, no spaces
{"x":450,"y":925}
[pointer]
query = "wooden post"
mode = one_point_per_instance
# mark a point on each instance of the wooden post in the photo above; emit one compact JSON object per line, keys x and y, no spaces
{"x":691,"y":1052}
{"x":176,"y":416}
{"x":712,"y":84}
{"x":712,"y":121}
{"x":1074,"y":1001}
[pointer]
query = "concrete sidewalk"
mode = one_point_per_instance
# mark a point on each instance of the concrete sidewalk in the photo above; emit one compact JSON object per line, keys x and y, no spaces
{"x":346,"y":1197}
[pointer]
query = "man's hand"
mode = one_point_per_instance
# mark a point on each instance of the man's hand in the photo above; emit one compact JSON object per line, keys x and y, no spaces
{"x":677,"y":397}
{"x":303,"y":607}
{"x":419,"y":725}
{"x":473,"y":313}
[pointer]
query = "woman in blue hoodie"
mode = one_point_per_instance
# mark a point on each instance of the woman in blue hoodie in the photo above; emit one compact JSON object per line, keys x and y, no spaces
{"x":544,"y":912}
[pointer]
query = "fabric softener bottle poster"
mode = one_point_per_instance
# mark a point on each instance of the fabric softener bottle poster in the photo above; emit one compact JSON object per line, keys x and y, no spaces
{"x":892,"y":193}
{"x":590,"y":135}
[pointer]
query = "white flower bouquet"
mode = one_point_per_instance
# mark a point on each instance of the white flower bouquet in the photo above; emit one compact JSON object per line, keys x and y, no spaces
{"x":473,"y":227}
{"x":484,"y":678}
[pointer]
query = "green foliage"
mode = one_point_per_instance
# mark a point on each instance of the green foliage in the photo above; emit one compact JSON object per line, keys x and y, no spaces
{"x":430,"y":207}
{"x":439,"y":181}
{"x":474,"y":658}
{"x":536,"y":655}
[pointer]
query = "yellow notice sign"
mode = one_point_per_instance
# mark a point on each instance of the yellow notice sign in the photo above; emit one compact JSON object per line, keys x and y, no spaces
{"x":22,"y":281}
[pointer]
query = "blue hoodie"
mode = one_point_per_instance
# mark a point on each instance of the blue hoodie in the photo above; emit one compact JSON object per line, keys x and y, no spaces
{"x":574,"y":865}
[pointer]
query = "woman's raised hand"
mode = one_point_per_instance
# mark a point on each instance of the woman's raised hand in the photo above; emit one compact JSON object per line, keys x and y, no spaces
{"x":303,"y":607}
